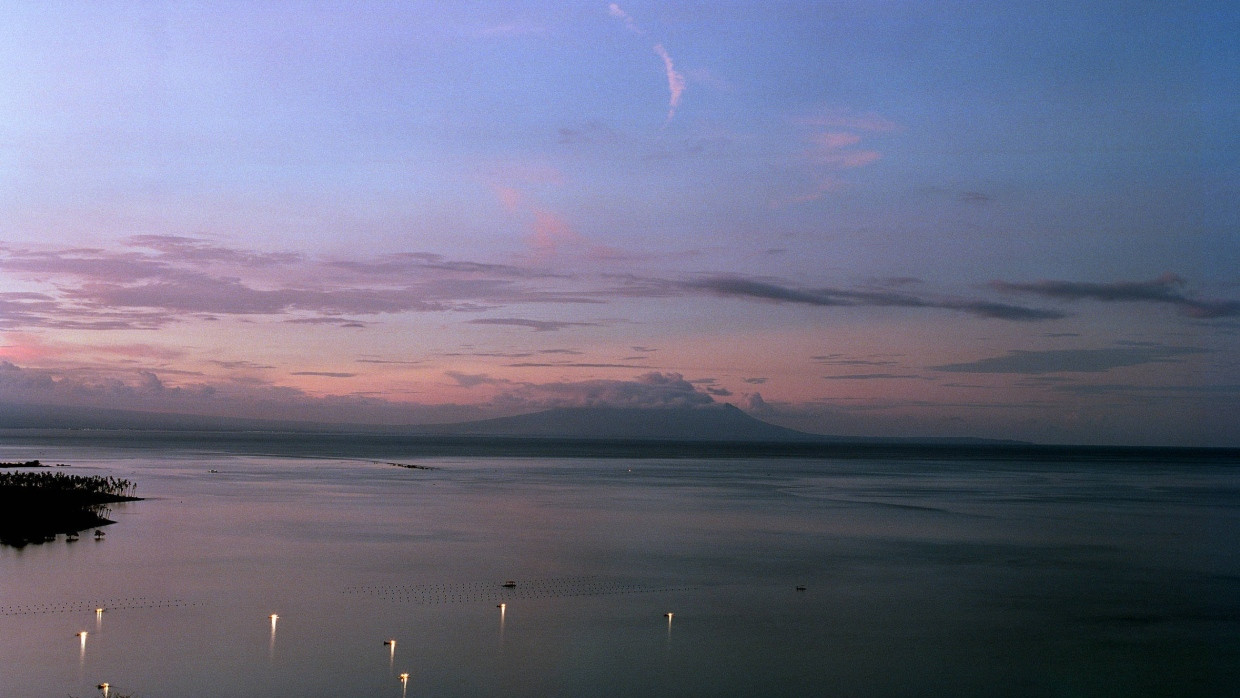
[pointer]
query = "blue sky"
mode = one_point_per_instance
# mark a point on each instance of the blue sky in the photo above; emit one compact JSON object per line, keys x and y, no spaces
{"x":860,"y":218}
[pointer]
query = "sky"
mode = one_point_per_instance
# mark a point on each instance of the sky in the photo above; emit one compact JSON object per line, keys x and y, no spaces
{"x":1009,"y":220}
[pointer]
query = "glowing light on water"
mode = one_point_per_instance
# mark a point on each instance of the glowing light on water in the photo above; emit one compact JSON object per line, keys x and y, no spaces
{"x":404,"y":684}
{"x":104,"y":687}
{"x":98,"y":619}
{"x":503,"y":608}
{"x":82,"y":650}
{"x":391,"y":652}
{"x":271,"y":649}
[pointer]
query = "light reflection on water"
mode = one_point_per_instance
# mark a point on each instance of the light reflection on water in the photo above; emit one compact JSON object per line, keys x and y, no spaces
{"x":920,"y":579}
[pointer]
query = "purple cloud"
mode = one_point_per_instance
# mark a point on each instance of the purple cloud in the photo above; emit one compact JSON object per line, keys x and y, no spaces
{"x":734,"y":286}
{"x":648,"y":390}
{"x":536,"y":325}
{"x":1167,"y":289}
{"x":1072,"y":360}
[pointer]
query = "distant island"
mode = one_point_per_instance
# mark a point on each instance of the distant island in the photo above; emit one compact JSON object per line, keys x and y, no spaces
{"x":707,"y":431}
{"x":36,"y":506}
{"x":720,"y":423}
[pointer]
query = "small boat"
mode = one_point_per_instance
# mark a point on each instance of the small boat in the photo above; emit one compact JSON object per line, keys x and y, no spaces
{"x":70,"y":537}
{"x":510,"y":584}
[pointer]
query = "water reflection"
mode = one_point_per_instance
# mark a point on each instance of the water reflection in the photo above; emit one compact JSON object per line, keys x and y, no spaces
{"x":105,"y":686}
{"x":98,"y":619}
{"x":271,"y":648}
{"x":82,"y":652}
{"x":912,"y":587}
{"x":404,"y":685}
{"x":503,"y":608}
{"x":391,"y":653}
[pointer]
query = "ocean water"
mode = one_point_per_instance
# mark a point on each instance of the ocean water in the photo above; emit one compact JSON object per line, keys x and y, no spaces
{"x":953,"y":573}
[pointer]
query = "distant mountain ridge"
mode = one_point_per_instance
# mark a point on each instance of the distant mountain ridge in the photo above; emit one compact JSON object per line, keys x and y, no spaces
{"x":713,"y":423}
{"x":719,"y":423}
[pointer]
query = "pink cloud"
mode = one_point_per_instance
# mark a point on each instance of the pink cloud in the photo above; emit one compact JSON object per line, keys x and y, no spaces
{"x":551,"y":232}
{"x":614,"y":10}
{"x":675,"y":81}
{"x":835,"y":139}
{"x":27,"y":347}
{"x":849,"y":159}
{"x":510,"y":198}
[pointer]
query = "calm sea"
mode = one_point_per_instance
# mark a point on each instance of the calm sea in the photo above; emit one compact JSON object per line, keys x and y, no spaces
{"x":886,"y":573}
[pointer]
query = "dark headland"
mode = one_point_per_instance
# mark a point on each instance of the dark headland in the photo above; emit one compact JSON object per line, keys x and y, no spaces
{"x":38,"y":504}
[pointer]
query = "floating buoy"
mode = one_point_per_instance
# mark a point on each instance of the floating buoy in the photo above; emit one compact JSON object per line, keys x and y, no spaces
{"x":800,"y":587}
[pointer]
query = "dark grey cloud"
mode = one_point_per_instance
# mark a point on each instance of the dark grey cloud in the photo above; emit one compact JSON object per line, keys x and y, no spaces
{"x":491,"y":354}
{"x":323,"y":374}
{"x":206,"y":294}
{"x":471,"y":380}
{"x":536,"y":325}
{"x":839,"y":360}
{"x":1072,"y":360}
{"x":868,"y":376}
{"x":567,"y":364}
{"x":1167,"y":289}
{"x":403,"y":264}
{"x":241,"y":365}
{"x":647,"y":390}
{"x":1145,"y":391}
{"x":388,"y":361}
{"x":755,"y":381}
{"x":735,"y":286}
{"x":199,"y":251}
{"x":338,"y":322}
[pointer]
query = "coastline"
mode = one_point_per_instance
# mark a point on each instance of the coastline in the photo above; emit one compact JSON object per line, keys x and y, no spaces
{"x":36,"y":507}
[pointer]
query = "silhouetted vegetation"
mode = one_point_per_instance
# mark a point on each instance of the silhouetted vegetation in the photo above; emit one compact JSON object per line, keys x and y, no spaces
{"x":35,"y":506}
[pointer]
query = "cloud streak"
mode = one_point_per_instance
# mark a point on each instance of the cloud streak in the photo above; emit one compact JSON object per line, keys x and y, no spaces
{"x":675,"y":81}
{"x":159,"y":280}
{"x":1167,"y":289}
{"x":739,"y":287}
{"x":536,"y":325}
{"x":631,"y":24}
{"x":1033,"y":363}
